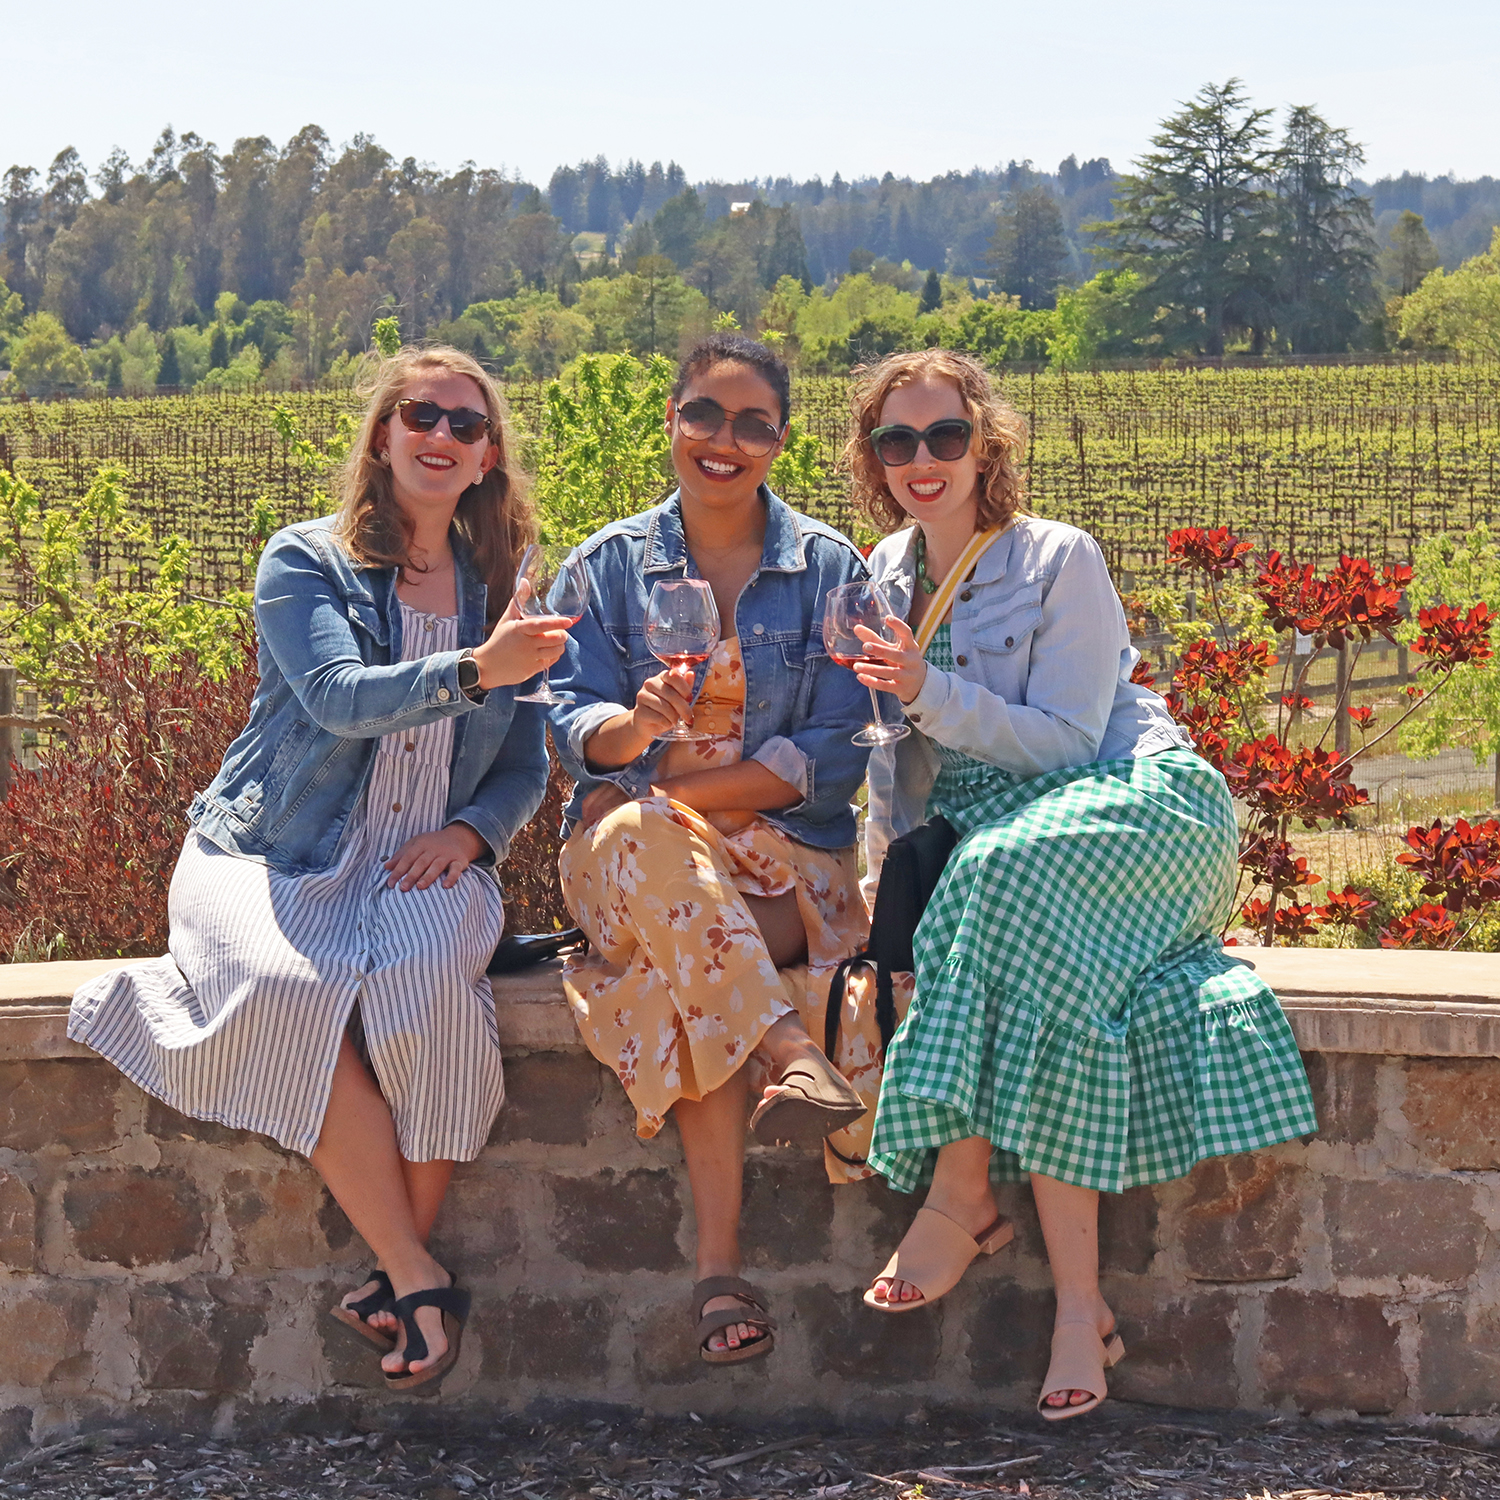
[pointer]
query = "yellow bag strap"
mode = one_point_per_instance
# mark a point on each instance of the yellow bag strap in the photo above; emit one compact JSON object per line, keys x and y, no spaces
{"x":940,"y":603}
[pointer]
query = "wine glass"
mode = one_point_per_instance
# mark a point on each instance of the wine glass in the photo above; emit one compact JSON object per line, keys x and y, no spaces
{"x":557,"y":584}
{"x":682,"y":629}
{"x":848,"y":605}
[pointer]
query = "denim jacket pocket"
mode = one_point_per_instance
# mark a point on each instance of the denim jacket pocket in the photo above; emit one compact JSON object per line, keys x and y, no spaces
{"x":1005,"y":631}
{"x":286,"y":758}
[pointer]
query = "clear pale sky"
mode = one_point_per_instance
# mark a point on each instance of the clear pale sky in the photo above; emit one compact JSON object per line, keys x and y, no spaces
{"x":792,"y":87}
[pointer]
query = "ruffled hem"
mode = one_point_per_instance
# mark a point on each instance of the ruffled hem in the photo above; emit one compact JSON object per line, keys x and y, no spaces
{"x":1098,"y":1111}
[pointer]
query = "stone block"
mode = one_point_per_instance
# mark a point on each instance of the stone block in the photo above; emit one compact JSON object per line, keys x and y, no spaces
{"x":133,"y":1217}
{"x":1344,"y":1091}
{"x":44,"y":1335}
{"x":1009,"y":1335}
{"x":282,"y":1219}
{"x":1321,"y":1351}
{"x":1404,"y":1226}
{"x":191,"y":1339}
{"x":788,"y":1213}
{"x":547,"y":1338}
{"x":479,"y":1226}
{"x":17,"y":1223}
{"x":166,"y":1124}
{"x":1244,"y":1220}
{"x":58,"y":1102}
{"x":662,"y":1347}
{"x":15,"y":1429}
{"x":1453,"y":1107}
{"x":550,"y":1098}
{"x":619,"y":1221}
{"x":1180,"y":1353}
{"x":1460,"y":1358}
{"x":1127,"y":1230}
{"x":879,"y":1349}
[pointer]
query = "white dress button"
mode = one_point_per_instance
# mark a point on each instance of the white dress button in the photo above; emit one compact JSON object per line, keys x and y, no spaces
{"x":426,"y":624}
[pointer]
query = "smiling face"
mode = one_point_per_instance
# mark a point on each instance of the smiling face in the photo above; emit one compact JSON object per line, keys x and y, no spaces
{"x":712,"y":470}
{"x":431,"y":470}
{"x":930,"y":491}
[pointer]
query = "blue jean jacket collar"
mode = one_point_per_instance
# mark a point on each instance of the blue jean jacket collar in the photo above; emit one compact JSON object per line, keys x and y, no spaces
{"x":376,"y":587}
{"x":666,"y":541}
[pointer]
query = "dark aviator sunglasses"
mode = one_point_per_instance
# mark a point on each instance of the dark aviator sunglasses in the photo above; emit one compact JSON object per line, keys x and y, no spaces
{"x":703,"y":417}
{"x":466,"y":424}
{"x":947,"y":441}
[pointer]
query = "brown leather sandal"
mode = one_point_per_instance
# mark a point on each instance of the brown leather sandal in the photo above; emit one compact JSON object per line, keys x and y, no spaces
{"x":1079,"y":1359}
{"x":819,"y":1100}
{"x":933,"y":1256}
{"x":355,"y":1315}
{"x":710,"y":1323}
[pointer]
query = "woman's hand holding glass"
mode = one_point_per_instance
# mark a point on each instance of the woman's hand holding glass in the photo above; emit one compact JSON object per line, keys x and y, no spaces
{"x":520,"y":646}
{"x":552,"y":591}
{"x":853,"y":615}
{"x":892,"y":665}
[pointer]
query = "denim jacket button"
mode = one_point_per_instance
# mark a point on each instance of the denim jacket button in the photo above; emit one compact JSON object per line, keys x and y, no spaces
{"x":443,"y":695}
{"x":962,"y":661}
{"x":966,"y":595}
{"x":759,"y":628}
{"x":1010,"y":640}
{"x":764,"y":703}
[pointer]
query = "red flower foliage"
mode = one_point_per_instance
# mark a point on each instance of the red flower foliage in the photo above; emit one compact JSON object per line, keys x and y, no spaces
{"x":1460,"y":864}
{"x":1290,"y":701}
{"x":1141,"y":674}
{"x":1428,"y":926}
{"x":1348,"y":908}
{"x":1350,"y":601}
{"x":94,"y":833}
{"x":1274,"y":863}
{"x":1309,"y":784}
{"x":1216,"y":553}
{"x":1208,"y":668}
{"x":1292,"y":922}
{"x":1364,"y":717}
{"x":1448,"y":638}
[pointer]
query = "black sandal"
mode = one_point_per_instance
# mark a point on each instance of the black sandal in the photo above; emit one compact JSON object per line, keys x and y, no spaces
{"x":709,"y":1323}
{"x":354,"y":1315}
{"x":454,"y":1304}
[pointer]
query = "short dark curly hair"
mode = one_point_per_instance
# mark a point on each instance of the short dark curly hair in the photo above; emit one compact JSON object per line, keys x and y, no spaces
{"x":736,"y":349}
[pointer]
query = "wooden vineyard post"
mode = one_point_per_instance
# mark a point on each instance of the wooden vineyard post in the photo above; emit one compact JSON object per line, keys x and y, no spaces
{"x":10,"y":736}
{"x":1341,"y":734}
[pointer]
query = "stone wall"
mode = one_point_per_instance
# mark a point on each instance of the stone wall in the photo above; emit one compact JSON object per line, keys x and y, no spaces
{"x":163,"y":1271}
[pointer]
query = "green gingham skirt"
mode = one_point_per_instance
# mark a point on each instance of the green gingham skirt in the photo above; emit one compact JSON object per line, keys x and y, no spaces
{"x":1073,"y":1003}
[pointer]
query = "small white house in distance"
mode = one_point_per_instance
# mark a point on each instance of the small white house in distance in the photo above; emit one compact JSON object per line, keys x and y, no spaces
{"x":739,"y":208}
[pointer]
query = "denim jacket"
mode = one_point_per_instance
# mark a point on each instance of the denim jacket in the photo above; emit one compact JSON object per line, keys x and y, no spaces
{"x":801,"y":709}
{"x":1041,"y":680}
{"x":332,"y":682}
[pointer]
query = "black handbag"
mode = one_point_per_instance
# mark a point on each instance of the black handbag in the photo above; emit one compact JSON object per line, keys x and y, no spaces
{"x":913,"y":867}
{"x":521,"y":950}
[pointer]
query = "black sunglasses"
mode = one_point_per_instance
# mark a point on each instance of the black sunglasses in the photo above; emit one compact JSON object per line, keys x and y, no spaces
{"x":946,"y":441}
{"x":703,"y":417}
{"x":466,"y":424}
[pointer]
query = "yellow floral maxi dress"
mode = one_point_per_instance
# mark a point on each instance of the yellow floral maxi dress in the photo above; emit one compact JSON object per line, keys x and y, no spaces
{"x":677,"y":988}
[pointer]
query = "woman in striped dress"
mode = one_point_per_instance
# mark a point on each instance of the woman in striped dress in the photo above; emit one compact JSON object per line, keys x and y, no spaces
{"x":1075,"y":1019}
{"x":335,"y":904}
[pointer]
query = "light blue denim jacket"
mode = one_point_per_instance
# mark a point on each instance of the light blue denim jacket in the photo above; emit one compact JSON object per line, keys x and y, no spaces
{"x":801,"y":709}
{"x":332,"y":682}
{"x":1041,"y":680}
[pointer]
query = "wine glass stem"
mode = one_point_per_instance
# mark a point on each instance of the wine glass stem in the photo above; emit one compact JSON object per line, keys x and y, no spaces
{"x":875,"y":699}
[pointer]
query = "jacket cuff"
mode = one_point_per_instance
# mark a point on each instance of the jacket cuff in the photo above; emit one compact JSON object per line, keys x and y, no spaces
{"x":785,"y":759}
{"x":932,"y":697}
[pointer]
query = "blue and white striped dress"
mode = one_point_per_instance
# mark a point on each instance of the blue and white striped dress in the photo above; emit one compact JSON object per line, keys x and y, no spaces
{"x":241,"y":1022}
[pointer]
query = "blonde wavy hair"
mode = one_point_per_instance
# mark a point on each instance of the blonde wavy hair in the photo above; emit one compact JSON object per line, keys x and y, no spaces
{"x":1000,"y":429}
{"x":494,"y":517}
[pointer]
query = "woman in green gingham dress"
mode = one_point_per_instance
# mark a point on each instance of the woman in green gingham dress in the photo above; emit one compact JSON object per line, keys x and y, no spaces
{"x":1075,"y":1019}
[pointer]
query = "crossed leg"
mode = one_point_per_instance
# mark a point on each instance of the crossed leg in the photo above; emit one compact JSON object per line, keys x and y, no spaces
{"x":390,"y":1201}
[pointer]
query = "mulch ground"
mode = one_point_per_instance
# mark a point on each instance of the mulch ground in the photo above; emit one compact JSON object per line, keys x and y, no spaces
{"x":1123,"y":1453}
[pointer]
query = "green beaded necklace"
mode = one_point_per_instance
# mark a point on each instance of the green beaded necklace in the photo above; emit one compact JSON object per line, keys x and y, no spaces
{"x":920,"y":547}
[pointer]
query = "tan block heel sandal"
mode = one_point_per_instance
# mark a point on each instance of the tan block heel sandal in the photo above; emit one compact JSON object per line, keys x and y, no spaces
{"x":933,"y":1256}
{"x":1079,"y":1359}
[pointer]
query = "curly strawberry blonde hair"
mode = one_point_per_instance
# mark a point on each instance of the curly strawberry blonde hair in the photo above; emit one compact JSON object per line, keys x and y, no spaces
{"x":999,"y":430}
{"x":494,"y":517}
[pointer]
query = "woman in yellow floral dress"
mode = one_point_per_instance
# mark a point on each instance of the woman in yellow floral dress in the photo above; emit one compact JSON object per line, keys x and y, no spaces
{"x":715,"y":878}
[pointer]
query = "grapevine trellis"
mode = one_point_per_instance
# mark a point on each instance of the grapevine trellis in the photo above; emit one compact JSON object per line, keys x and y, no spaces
{"x":1314,"y":460}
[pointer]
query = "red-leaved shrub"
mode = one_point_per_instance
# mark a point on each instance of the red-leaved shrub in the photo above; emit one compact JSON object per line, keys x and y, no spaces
{"x":89,"y":839}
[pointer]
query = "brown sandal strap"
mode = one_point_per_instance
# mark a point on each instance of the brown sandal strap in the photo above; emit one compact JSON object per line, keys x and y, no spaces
{"x":753,"y":1312}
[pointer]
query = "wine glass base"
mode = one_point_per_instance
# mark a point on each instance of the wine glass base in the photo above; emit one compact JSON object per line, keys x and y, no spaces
{"x":684,"y":734}
{"x":542,"y":695}
{"x":882,"y":734}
